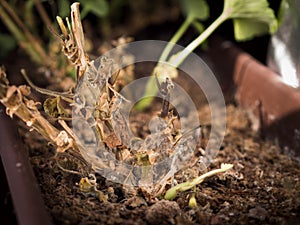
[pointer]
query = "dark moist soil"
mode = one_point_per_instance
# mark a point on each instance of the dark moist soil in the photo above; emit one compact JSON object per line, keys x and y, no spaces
{"x":262,"y":188}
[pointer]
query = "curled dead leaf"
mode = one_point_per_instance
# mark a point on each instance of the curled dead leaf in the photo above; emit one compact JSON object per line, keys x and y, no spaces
{"x":63,"y":141}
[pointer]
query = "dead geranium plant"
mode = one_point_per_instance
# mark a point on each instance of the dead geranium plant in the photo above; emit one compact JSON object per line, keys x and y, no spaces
{"x":98,"y":105}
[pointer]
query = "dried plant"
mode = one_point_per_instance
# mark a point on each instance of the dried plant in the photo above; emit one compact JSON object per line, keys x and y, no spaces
{"x":16,"y":101}
{"x":97,"y":104}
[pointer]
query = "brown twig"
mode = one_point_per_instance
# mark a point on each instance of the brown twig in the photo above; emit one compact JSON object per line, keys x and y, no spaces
{"x":72,"y":40}
{"x":13,"y":98}
{"x":79,"y":36}
{"x":64,"y":95}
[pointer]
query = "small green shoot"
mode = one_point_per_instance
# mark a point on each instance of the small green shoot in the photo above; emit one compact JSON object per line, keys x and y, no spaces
{"x":172,"y":192}
{"x":251,"y":18}
{"x":193,"y":201}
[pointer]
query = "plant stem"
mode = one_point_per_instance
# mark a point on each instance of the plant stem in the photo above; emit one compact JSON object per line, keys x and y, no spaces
{"x":18,"y":34}
{"x":201,"y":178}
{"x":42,"y":58}
{"x":181,"y":56}
{"x":15,"y":105}
{"x":65,"y":96}
{"x":151,"y":88}
{"x":175,"y":39}
{"x":198,"y":26}
{"x":171,"y":193}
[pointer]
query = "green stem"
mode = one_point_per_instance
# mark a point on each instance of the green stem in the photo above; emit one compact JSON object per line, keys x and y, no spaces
{"x":171,"y":193}
{"x":175,"y":39}
{"x":33,"y":41}
{"x":151,"y":88}
{"x":181,"y":56}
{"x":198,"y":26}
{"x":18,"y":34}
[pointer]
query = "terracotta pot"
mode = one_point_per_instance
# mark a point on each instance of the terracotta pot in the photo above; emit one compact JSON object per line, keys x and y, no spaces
{"x":274,"y":107}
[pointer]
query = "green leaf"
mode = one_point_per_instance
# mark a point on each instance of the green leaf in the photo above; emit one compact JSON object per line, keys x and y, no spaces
{"x":246,"y":29}
{"x":195,"y":9}
{"x":63,"y":8}
{"x":99,"y":8}
{"x":250,"y":17}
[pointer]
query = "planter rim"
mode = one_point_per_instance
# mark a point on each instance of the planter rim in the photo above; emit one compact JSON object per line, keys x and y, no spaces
{"x":274,"y":106}
{"x":26,"y":195}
